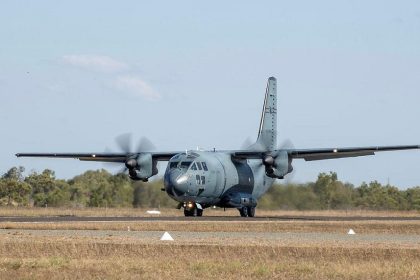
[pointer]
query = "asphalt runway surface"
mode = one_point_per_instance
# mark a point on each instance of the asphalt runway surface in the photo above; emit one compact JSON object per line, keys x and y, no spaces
{"x":223,"y":238}
{"x":51,"y":219}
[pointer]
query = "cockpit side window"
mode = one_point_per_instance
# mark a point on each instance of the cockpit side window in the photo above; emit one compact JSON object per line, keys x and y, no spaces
{"x":185,"y":164}
{"x":204,"y":166}
{"x":193,"y":166}
{"x":173,"y":164}
{"x":199,"y":166}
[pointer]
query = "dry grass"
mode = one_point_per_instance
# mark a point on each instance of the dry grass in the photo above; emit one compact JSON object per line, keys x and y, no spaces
{"x":89,"y":259}
{"x":185,"y":268}
{"x":141,"y":212}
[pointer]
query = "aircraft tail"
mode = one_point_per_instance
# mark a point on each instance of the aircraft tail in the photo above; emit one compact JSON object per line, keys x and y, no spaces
{"x":267,"y":134}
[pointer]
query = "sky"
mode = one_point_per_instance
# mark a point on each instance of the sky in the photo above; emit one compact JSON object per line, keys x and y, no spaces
{"x":76,"y":74}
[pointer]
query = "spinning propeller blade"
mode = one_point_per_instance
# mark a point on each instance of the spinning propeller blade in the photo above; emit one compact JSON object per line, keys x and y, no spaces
{"x":125,"y":144}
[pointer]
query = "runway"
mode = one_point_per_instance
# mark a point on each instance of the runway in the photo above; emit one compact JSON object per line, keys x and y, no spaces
{"x":291,"y":231}
{"x":52,"y":219}
{"x":224,"y":238}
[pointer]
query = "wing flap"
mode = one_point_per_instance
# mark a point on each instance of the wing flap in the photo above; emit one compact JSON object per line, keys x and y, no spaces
{"x":335,"y":153}
{"x":335,"y":156}
{"x":323,"y":154}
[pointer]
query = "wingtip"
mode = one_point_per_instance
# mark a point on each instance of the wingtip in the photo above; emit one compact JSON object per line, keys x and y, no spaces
{"x":17,"y":155}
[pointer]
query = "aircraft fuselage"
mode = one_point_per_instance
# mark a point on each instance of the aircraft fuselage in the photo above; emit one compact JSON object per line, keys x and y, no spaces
{"x":213,"y":178}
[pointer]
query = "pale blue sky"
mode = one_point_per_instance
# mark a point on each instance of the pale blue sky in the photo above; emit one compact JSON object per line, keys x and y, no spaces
{"x":186,"y":74}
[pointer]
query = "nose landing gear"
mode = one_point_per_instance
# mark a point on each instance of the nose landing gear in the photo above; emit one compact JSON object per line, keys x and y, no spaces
{"x":192,"y":209}
{"x":193,"y":212}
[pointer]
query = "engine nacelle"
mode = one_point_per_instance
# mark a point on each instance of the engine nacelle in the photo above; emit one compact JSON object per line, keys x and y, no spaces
{"x":143,"y":169}
{"x":278,"y":166}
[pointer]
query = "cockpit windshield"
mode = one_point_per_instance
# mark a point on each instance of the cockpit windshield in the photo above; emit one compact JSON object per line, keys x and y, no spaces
{"x":185,"y":164}
{"x":173,"y":164}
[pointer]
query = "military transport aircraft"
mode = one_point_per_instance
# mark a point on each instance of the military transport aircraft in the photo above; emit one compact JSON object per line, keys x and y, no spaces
{"x":230,"y":179}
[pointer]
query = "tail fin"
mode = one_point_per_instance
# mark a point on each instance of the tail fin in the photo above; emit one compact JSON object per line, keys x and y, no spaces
{"x":267,"y":134}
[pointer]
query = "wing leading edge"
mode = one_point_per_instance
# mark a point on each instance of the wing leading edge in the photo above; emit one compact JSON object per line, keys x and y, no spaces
{"x":103,"y":157}
{"x":306,"y":154}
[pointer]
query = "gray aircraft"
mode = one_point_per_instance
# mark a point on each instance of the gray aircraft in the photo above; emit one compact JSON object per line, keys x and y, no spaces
{"x":229,"y":179}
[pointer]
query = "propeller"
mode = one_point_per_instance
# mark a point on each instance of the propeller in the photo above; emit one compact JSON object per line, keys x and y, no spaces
{"x":246,"y":144}
{"x":269,"y":159}
{"x":288,"y":145}
{"x":125,"y":144}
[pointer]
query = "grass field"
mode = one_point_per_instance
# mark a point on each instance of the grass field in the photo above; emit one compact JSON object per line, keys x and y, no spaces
{"x":115,"y":255}
{"x":91,"y":259}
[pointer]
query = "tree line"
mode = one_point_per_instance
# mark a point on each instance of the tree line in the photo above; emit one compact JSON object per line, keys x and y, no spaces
{"x":100,"y":188}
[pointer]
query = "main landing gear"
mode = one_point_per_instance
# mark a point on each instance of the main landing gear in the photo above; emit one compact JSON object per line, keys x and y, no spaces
{"x":247,"y":211}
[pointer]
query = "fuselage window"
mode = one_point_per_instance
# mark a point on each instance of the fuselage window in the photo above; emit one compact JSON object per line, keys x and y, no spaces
{"x":193,"y":167}
{"x":173,"y":164}
{"x":199,"y":166}
{"x":185,"y":164}
{"x":200,"y":180}
{"x":204,"y":166}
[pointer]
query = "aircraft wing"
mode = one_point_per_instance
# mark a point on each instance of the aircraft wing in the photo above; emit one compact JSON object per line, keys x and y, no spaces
{"x":306,"y":154}
{"x":325,"y":153}
{"x":333,"y":153}
{"x":103,"y":157}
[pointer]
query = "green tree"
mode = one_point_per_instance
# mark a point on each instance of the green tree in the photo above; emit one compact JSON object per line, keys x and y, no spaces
{"x":101,"y":189}
{"x":121,"y":190}
{"x":413,"y":198}
{"x":332,"y":193}
{"x":151,"y":195}
{"x":92,"y":188}
{"x":46,"y":190}
{"x":378,"y":197}
{"x":13,"y":190}
{"x":290,"y":197}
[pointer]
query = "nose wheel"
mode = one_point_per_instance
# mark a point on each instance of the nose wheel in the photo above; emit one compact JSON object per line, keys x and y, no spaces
{"x":247,"y":211}
{"x":194,"y":212}
{"x":192,"y":209}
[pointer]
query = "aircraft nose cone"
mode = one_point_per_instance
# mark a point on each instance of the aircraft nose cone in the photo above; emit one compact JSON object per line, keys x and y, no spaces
{"x":177,"y":182}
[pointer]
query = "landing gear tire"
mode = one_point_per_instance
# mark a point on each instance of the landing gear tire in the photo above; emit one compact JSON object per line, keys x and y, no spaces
{"x":247,"y":211}
{"x":243,"y":211}
{"x":189,"y":213}
{"x":195,"y":212}
{"x":251,"y":211}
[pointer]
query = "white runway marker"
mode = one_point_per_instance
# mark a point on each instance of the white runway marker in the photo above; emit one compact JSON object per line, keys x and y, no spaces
{"x":166,"y":237}
{"x":351,"y":232}
{"x":153,"y":212}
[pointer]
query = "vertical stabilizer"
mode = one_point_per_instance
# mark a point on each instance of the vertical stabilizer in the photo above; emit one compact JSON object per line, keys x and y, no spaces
{"x":267,"y":134}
